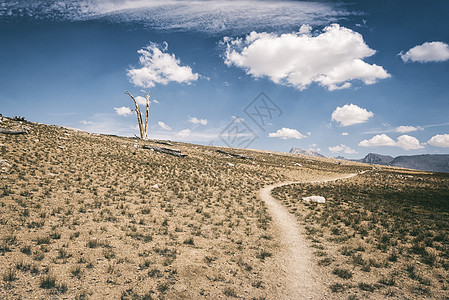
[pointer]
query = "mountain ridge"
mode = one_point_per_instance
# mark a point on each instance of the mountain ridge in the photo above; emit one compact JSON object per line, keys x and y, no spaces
{"x":422,"y":162}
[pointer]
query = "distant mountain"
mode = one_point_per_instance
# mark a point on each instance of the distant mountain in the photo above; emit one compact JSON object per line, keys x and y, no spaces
{"x":305,"y":152}
{"x":373,"y":158}
{"x":426,"y":162}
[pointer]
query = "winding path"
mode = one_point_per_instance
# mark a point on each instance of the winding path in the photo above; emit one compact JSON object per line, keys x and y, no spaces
{"x":295,"y":258}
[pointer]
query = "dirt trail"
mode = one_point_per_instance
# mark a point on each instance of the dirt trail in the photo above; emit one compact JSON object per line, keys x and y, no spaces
{"x":295,"y":260}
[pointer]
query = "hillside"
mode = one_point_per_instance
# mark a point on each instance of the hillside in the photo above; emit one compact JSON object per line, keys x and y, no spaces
{"x":93,"y":216}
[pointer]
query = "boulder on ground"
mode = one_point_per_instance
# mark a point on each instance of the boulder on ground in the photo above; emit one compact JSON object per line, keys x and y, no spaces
{"x":317,"y":199}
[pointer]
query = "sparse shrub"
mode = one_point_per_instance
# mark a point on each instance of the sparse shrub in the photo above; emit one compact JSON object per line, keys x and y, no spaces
{"x":10,"y":275}
{"x":338,"y":287}
{"x":163,"y":287}
{"x":325,"y":262}
{"x":48,"y":282}
{"x":43,"y":240}
{"x":93,"y":243}
{"x":343,"y":273}
{"x":189,"y":241}
{"x":154,"y":273}
{"x":76,"y":271}
{"x":366,"y":287}
{"x":26,"y":249}
{"x":229,"y":292}
{"x":263,"y":254}
{"x":387,"y":281}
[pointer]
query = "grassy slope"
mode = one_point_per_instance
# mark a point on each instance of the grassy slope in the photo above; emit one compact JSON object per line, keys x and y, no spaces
{"x":79,"y":217}
{"x":79,"y":211}
{"x":383,"y":233}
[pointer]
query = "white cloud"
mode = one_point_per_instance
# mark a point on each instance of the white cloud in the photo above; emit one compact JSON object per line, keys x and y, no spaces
{"x":427,"y":52}
{"x":439,"y":140}
{"x":351,"y":114}
{"x":405,"y":142}
{"x":123,"y":111}
{"x":206,"y":16}
{"x":141,"y":100}
{"x":163,"y":125}
{"x":342,"y":148}
{"x":378,"y":140}
{"x":84,"y":122}
{"x":159,"y":67}
{"x":195,"y":120}
{"x":405,"y":129}
{"x":408,"y":142}
{"x":184,"y":133}
{"x":344,"y":133}
{"x":333,"y":59}
{"x":287,"y":133}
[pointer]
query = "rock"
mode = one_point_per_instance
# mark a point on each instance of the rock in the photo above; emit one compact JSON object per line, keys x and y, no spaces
{"x":317,"y":199}
{"x":12,"y":131}
{"x":155,"y":186}
{"x":4,"y":163}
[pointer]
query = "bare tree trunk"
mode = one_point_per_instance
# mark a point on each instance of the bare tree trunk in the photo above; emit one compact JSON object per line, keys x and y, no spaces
{"x":139,"y":116}
{"x":147,"y":98}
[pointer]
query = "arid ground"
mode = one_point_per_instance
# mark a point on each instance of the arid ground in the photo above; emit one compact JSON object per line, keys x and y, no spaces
{"x":87,"y":216}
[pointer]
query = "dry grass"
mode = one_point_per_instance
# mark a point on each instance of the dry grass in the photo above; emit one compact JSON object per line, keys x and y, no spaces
{"x":79,"y":219}
{"x":381,"y":234}
{"x":80,"y":210}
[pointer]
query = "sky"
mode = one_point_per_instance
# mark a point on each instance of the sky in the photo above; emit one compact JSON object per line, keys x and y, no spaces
{"x":342,"y":78}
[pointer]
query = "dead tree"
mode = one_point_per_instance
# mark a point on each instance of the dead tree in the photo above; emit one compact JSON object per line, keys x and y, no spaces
{"x":143,"y":128}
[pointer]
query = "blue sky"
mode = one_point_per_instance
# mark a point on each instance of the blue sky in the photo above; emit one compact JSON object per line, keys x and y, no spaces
{"x":344,"y":78}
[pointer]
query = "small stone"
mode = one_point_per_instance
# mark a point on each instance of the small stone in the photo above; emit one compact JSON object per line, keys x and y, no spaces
{"x":156,"y":186}
{"x":230,"y":164}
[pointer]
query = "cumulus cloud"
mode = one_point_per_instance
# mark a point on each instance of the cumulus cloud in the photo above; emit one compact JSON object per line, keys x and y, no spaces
{"x":163,"y":125}
{"x":405,"y":142}
{"x":184,"y":133}
{"x":439,"y":140}
{"x":405,"y":129}
{"x":287,"y":133}
{"x":378,"y":140}
{"x":427,"y":52}
{"x":342,"y":148}
{"x":408,"y":142}
{"x":344,"y":133}
{"x":351,"y":114}
{"x":208,"y":16}
{"x":194,"y":120}
{"x":158,"y":67}
{"x":123,"y":111}
{"x":332,"y":59}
